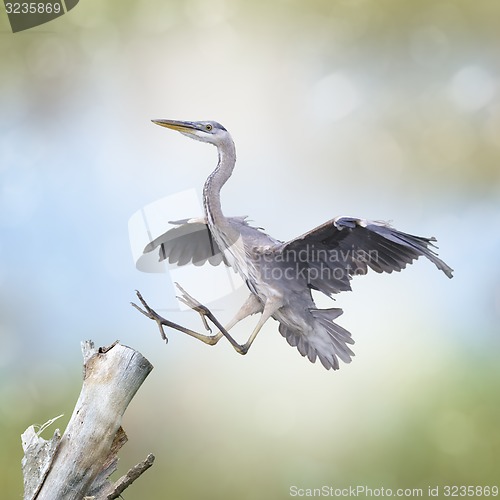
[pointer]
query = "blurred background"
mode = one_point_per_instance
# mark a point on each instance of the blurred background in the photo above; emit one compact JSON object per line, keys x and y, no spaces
{"x":374,"y":108}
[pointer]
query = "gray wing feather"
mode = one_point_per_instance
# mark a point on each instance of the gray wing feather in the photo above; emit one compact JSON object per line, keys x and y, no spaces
{"x":343,"y":247}
{"x":191,"y":242}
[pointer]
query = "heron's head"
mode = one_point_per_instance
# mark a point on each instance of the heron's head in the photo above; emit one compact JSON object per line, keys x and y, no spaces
{"x":211,"y":132}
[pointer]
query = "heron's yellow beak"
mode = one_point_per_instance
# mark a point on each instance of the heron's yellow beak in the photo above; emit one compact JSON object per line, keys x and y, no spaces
{"x":177,"y":125}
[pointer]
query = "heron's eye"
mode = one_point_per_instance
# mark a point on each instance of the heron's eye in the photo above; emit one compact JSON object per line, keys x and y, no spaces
{"x":208,"y":127}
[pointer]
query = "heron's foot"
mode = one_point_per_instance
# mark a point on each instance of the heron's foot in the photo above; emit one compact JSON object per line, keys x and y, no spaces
{"x":191,"y":302}
{"x":162,"y":322}
{"x":151,"y":314}
{"x":250,"y":307}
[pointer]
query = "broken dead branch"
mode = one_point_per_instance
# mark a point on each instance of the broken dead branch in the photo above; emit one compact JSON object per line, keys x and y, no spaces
{"x":78,"y":464}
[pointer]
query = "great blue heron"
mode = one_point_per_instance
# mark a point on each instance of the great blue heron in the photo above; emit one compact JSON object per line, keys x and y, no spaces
{"x":280,"y":276}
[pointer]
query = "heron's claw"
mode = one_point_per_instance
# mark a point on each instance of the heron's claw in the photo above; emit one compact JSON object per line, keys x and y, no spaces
{"x":151,"y":314}
{"x":191,"y":302}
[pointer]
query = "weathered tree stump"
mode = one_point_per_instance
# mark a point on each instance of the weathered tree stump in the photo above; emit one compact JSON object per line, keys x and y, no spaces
{"x":78,"y":465}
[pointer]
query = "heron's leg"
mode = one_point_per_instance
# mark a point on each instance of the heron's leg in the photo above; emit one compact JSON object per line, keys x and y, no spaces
{"x":162,"y":322}
{"x":269,"y":309}
{"x":251,"y":306}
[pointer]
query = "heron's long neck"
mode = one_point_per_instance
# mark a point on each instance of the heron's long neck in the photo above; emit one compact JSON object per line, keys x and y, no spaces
{"x":214,"y":183}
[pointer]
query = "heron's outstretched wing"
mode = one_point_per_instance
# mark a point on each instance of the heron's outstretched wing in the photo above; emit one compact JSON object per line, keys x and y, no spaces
{"x":190,"y":242}
{"x":331,"y":254}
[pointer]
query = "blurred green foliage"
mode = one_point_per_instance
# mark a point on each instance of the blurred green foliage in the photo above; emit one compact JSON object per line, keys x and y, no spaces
{"x":443,"y":433}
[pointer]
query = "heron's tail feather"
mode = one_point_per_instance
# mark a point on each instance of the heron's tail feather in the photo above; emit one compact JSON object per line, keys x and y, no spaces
{"x":328,"y":341}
